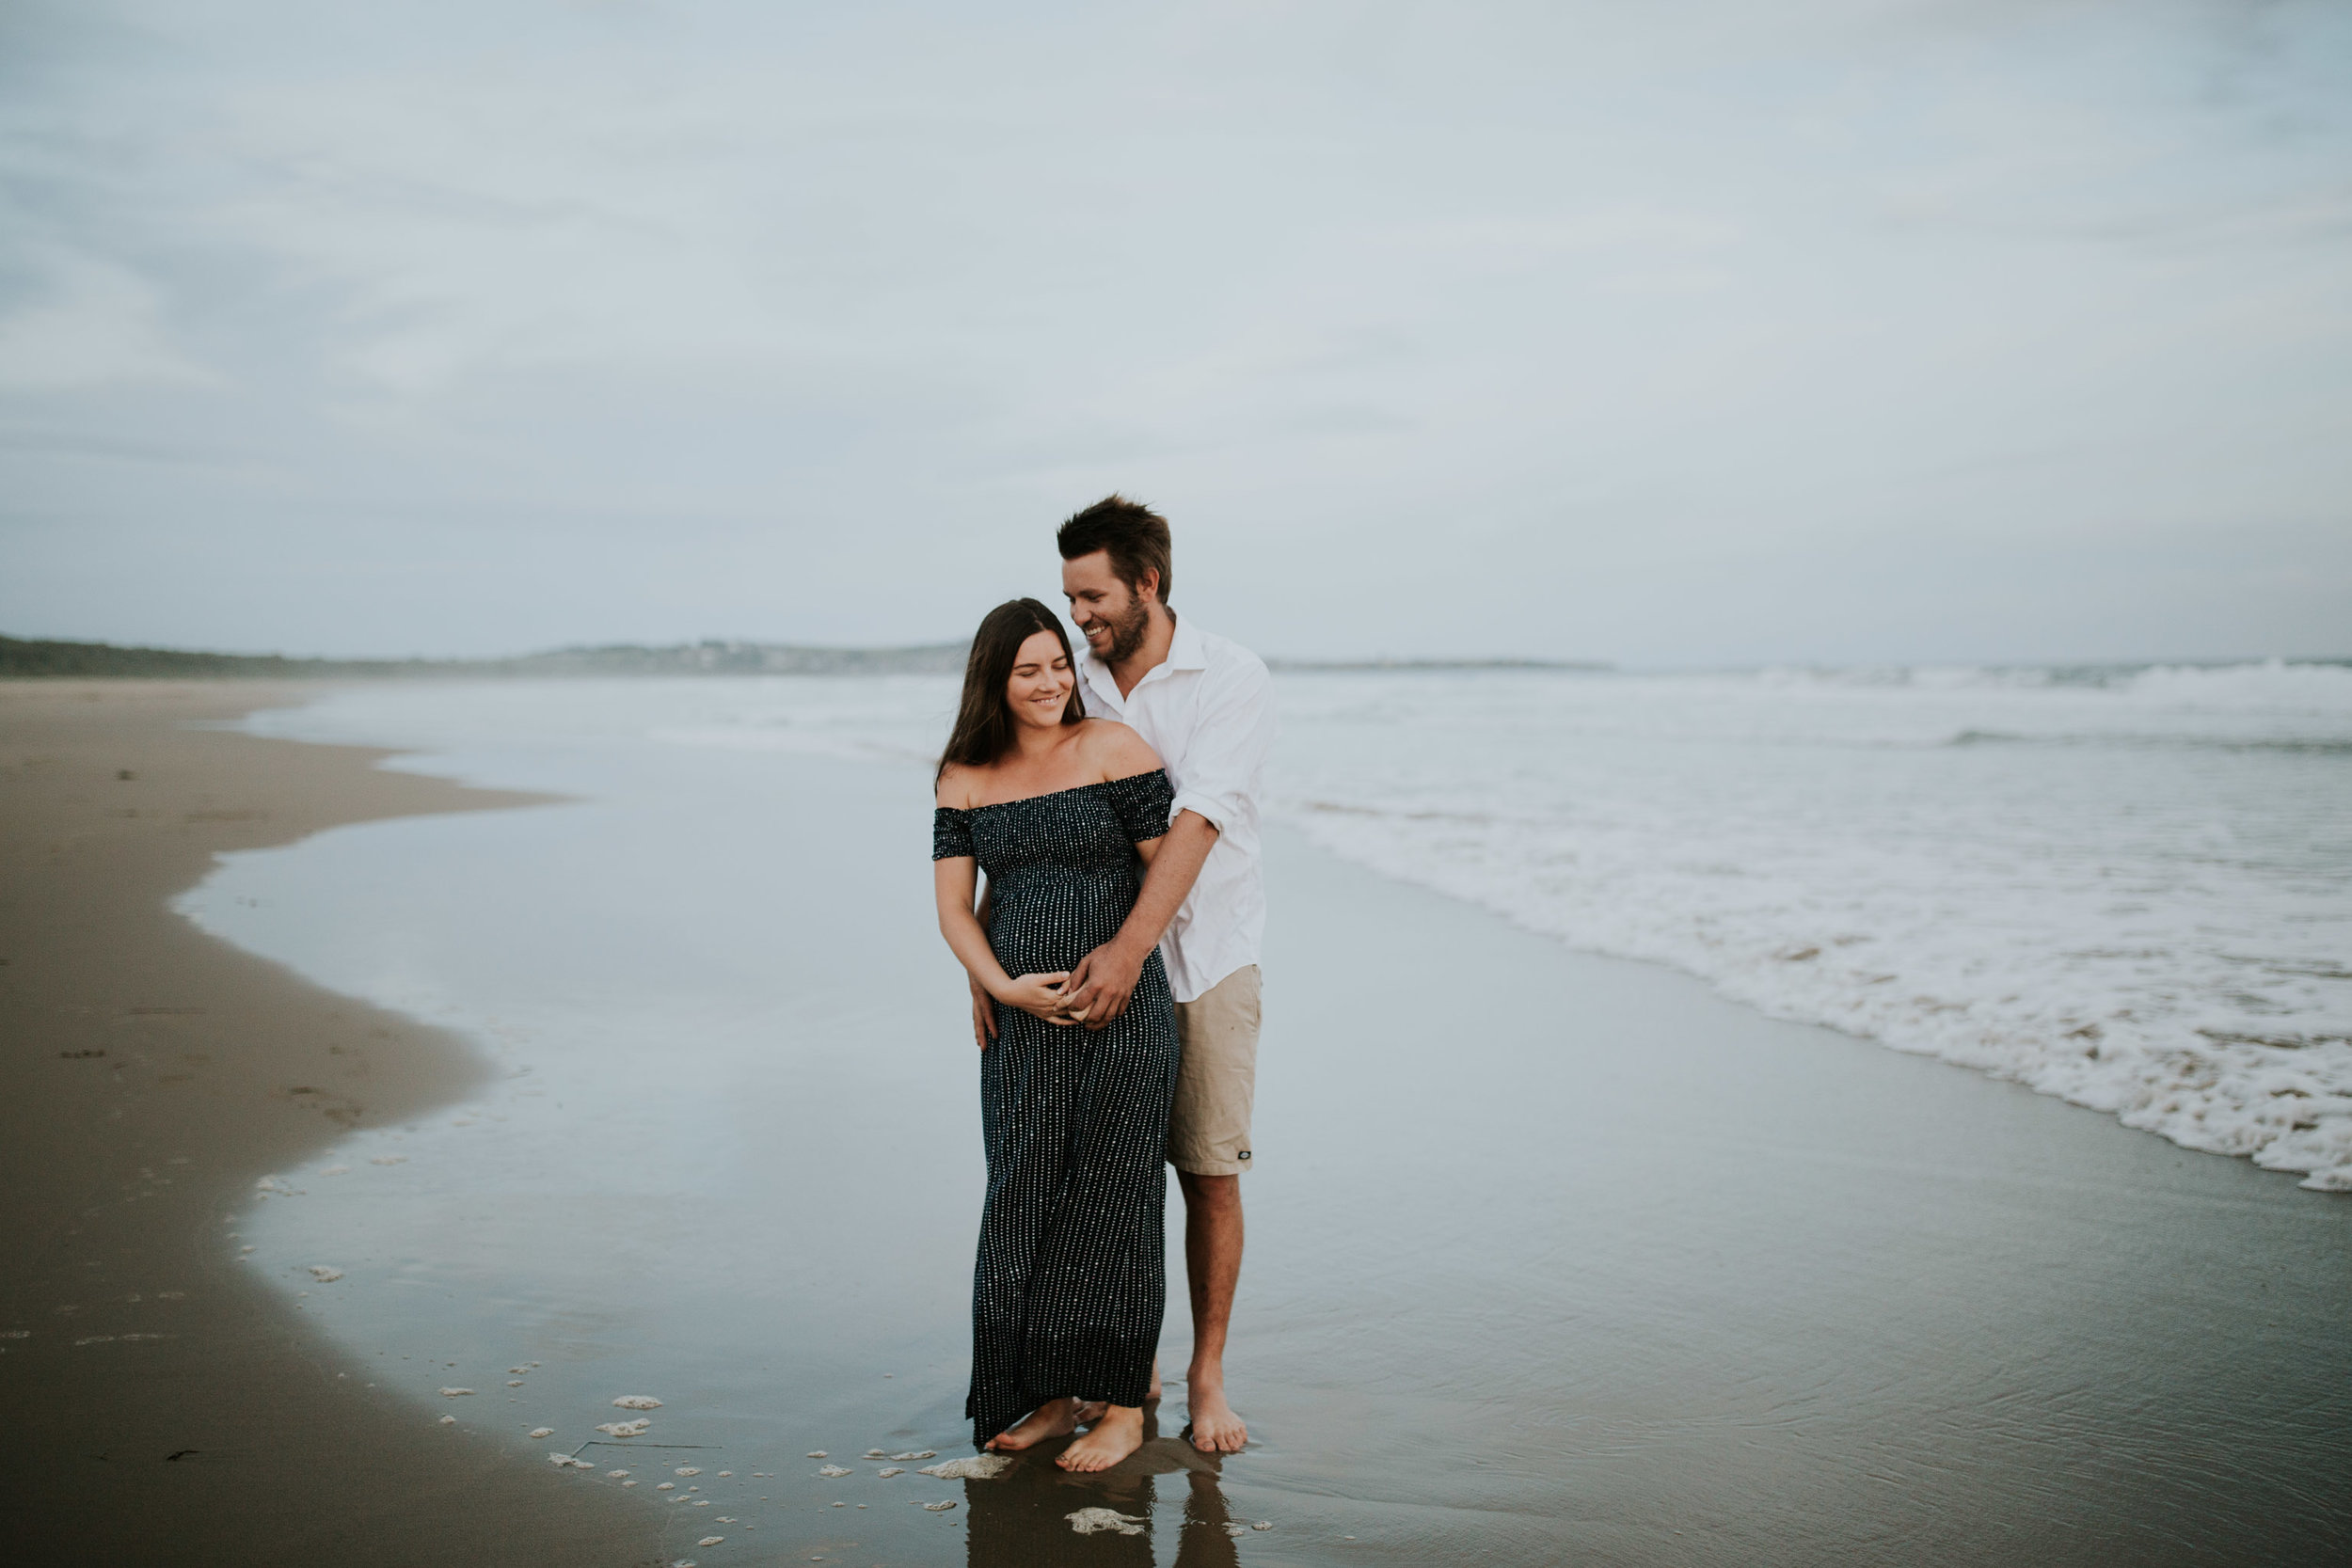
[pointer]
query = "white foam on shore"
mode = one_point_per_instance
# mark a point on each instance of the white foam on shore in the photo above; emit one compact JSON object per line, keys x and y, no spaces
{"x":2131,"y":893}
{"x":1095,"y":1521}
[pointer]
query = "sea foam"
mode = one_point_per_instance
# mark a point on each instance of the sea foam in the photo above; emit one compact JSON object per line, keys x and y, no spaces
{"x":2128,"y":889}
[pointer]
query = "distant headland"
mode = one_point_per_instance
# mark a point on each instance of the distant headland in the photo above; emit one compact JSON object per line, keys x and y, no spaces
{"x":23,"y":658}
{"x":87,"y":661}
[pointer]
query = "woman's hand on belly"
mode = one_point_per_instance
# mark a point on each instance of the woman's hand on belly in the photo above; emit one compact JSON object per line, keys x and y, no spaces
{"x":1039,"y":995}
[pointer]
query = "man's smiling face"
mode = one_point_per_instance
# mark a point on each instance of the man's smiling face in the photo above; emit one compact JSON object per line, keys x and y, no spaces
{"x":1113,"y":616}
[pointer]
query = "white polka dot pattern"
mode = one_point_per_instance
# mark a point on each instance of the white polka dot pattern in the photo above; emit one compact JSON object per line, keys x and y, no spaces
{"x":1071,"y":1279}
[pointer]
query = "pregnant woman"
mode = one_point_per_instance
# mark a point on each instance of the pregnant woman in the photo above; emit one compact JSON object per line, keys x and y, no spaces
{"x":1062,"y":812}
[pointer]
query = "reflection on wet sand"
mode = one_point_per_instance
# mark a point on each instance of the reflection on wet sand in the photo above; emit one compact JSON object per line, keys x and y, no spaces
{"x":1621,"y":1273}
{"x":1023,"y":1517}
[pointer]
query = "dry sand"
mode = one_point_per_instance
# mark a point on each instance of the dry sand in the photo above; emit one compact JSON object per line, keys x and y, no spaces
{"x":165,"y":1407}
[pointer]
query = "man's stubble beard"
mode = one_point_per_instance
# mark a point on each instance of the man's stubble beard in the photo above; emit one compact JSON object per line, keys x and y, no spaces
{"x":1128,"y":632}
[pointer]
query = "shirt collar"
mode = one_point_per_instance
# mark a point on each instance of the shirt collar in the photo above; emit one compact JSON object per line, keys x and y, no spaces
{"x":1098,"y":675}
{"x":1185,"y":651}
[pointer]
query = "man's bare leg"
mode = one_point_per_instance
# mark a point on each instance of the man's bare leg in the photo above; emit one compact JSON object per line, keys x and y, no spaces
{"x":1054,"y":1418}
{"x":1116,"y":1432}
{"x":1213,"y":1238}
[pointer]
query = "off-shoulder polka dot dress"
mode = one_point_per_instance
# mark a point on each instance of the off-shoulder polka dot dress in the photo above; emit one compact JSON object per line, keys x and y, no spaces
{"x":1072,"y":1280}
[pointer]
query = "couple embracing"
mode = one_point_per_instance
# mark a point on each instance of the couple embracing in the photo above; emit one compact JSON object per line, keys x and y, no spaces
{"x":1111,"y":797}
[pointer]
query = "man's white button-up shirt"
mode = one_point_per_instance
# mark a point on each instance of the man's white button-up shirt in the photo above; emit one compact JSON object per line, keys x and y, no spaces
{"x":1209,"y":712}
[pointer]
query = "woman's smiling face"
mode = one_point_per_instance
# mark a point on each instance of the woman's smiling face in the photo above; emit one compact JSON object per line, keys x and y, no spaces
{"x":1038,"y":691}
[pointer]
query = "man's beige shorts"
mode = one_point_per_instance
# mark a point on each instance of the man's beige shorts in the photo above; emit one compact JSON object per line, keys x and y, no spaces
{"x":1208,"y":1133}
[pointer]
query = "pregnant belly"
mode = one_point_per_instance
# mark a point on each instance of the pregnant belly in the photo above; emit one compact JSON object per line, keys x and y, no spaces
{"x":1043,"y":930}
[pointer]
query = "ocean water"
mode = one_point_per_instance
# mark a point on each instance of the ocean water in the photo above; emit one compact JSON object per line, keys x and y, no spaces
{"x":2128,"y":888}
{"x":1552,"y":1257}
{"x":2131,"y":889}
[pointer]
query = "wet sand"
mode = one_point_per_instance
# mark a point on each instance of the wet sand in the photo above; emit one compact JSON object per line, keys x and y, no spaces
{"x":1576,"y":1257}
{"x":1553,"y":1257}
{"x":165,"y":1407}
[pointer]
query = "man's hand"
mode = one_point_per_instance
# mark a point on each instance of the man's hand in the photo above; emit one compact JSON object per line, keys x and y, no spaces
{"x":983,"y":1015}
{"x":1098,"y":988}
{"x":1103,"y":984}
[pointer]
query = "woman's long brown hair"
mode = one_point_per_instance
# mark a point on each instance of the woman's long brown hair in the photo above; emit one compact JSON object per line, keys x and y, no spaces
{"x":984,"y":722}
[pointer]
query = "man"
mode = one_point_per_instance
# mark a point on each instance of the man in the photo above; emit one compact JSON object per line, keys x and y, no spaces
{"x":1207,"y":707}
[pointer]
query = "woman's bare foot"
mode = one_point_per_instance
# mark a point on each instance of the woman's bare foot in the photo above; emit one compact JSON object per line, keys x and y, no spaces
{"x":1110,"y":1439}
{"x":1215,"y":1427}
{"x":1054,"y":1418}
{"x":1155,"y":1382}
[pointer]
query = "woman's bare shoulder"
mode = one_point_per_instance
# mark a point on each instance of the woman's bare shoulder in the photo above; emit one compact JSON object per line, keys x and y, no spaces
{"x":956,"y":786}
{"x":1118,"y":750}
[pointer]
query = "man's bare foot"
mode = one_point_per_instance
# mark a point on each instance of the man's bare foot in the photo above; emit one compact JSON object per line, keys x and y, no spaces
{"x":1215,"y":1427}
{"x":1110,"y":1439}
{"x":1054,"y":1418}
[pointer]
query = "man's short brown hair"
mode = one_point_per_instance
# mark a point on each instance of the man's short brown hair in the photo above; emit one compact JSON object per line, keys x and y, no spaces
{"x":1135,"y":536}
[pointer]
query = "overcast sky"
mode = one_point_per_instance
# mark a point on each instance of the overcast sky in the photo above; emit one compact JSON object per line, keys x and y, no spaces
{"x":1688,"y":331}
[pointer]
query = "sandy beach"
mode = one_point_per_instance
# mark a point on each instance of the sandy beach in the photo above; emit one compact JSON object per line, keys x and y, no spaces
{"x":170,"y":1408}
{"x":1553,"y":1257}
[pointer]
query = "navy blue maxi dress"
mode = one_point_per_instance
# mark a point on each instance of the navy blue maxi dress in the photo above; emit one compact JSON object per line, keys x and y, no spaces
{"x":1071,"y":1280}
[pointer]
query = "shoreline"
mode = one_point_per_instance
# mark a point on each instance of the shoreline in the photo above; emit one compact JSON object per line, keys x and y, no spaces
{"x":1790,"y":1296}
{"x":185,"y":1411}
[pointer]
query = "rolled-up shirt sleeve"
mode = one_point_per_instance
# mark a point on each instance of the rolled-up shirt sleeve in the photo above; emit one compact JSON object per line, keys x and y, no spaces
{"x":1225,"y":765}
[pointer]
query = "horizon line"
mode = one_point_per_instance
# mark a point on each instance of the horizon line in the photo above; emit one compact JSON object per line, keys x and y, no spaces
{"x":53,"y":657}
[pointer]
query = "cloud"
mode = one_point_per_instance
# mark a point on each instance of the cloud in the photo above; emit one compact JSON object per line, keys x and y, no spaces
{"x":91,"y":322}
{"x":642,"y":321}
